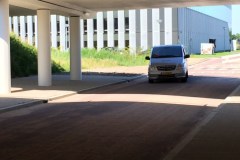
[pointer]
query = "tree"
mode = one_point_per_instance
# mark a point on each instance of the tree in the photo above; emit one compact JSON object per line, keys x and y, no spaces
{"x":234,"y":36}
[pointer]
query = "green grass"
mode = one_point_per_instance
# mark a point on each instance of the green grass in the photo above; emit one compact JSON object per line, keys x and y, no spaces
{"x":91,"y":58}
{"x":61,"y":58}
{"x":119,"y":58}
{"x":216,"y":55}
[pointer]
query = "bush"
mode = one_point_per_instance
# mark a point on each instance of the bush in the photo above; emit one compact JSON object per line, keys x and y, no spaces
{"x":24,"y":59}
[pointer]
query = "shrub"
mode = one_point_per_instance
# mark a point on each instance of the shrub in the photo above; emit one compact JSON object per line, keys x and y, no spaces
{"x":24,"y":59}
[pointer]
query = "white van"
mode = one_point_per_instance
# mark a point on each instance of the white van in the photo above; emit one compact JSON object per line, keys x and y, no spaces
{"x":168,"y":61}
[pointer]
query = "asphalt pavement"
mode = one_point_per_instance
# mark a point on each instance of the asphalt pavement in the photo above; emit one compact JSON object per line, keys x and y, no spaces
{"x":216,"y":137}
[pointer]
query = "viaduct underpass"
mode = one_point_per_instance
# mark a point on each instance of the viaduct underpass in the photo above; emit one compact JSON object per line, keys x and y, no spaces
{"x":75,"y":9}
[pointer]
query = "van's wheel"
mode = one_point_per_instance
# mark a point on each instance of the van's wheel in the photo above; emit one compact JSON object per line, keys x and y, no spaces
{"x":150,"y":81}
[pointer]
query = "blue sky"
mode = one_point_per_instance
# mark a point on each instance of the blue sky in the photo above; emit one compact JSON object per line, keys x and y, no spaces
{"x":235,"y":19}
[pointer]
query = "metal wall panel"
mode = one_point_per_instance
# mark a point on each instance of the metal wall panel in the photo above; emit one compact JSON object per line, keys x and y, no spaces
{"x":196,"y":28}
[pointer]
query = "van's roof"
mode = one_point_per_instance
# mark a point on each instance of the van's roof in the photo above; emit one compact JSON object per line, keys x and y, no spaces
{"x":172,"y":45}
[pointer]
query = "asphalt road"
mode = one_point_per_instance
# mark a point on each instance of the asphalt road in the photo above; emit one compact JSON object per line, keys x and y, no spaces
{"x":130,"y":121}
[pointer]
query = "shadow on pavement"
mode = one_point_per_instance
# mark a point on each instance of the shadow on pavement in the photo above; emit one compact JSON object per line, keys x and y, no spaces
{"x":96,"y":130}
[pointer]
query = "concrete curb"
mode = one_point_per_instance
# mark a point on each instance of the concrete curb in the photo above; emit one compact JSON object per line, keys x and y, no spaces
{"x":41,"y":101}
{"x":22,"y":105}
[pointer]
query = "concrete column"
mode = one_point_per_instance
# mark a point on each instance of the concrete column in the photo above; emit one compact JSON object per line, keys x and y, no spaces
{"x":5,"y":71}
{"x":132,"y":31}
{"x":62,"y":33}
{"x":90,"y":33}
{"x":100,"y":30}
{"x":110,"y":29}
{"x":121,"y":29}
{"x":22,"y":28}
{"x":75,"y":49}
{"x":15,"y":25}
{"x":30,"y":30}
{"x":156,"y":26}
{"x":44,"y":56}
{"x":54,"y":30}
{"x":144,"y":29}
{"x":82,"y":33}
{"x":168,"y":25}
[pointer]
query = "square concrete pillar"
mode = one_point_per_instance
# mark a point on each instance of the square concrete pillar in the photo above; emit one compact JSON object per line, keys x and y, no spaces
{"x":5,"y":71}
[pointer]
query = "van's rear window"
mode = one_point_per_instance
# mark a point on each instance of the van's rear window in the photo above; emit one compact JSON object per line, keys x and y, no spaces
{"x":168,"y":51}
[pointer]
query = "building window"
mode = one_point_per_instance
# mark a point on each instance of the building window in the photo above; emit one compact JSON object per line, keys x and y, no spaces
{"x":58,"y":44}
{"x":26,"y":30}
{"x":95,"y":44}
{"x":105,"y":44}
{"x":68,"y":44}
{"x":115,"y":43}
{"x":116,"y":25}
{"x":58,"y":28}
{"x":12,"y":26}
{"x":127,"y":24}
{"x":95,"y":26}
{"x":105,"y":25}
{"x":85,"y":44}
{"x":19,"y":29}
{"x":33,"y":28}
{"x":127,"y":43}
{"x":85,"y":26}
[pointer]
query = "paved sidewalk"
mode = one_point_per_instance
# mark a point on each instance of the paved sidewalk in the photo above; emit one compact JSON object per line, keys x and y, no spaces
{"x":26,"y":92}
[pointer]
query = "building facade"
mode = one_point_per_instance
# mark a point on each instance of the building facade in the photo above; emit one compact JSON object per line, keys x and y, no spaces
{"x":196,"y":28}
{"x":137,"y":29}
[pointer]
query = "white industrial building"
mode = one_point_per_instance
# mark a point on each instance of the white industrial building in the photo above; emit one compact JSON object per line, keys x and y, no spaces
{"x":136,"y":29}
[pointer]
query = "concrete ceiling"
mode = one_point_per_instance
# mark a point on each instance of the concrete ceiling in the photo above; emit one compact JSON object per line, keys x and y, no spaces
{"x":86,"y":8}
